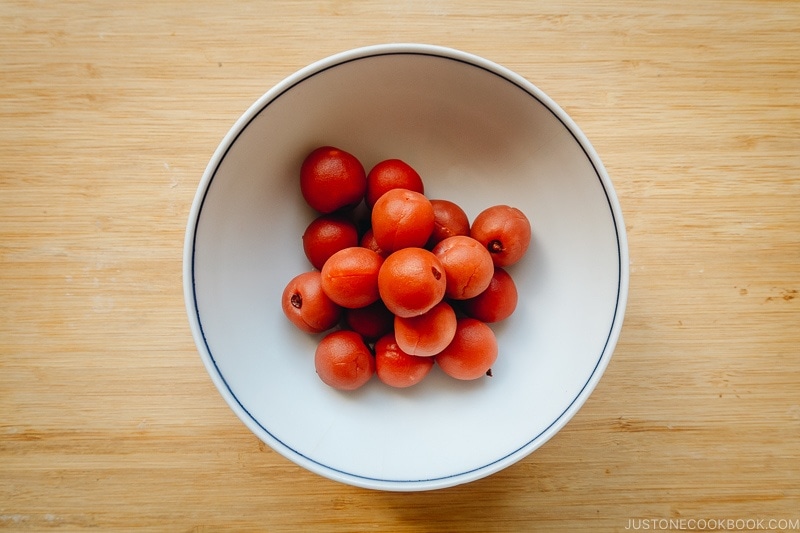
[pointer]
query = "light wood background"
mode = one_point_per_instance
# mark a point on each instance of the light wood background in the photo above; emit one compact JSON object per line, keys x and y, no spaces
{"x":109,"y":112}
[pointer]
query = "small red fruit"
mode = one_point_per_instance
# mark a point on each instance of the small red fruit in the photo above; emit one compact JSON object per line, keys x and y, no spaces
{"x":472,"y":352}
{"x":397,"y":368}
{"x":368,"y":241}
{"x":411,"y":281}
{"x":426,"y":334}
{"x":467,"y":265}
{"x":391,"y":174}
{"x":326,"y":235}
{"x":448,"y":220}
{"x":332,"y":179}
{"x":307,"y":306}
{"x":402,"y":218}
{"x":350,"y":277}
{"x":505,"y":231}
{"x":371,"y":322}
{"x":343,"y":360}
{"x":497,"y":302}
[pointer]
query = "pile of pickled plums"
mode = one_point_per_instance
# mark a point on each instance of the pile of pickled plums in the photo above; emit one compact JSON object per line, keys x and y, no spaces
{"x":407,"y":285}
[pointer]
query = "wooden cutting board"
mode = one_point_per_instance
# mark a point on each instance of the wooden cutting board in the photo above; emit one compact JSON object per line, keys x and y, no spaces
{"x":109,"y":114}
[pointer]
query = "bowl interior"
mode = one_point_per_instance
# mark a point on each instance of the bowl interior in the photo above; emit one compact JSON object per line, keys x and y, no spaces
{"x":478,"y":135}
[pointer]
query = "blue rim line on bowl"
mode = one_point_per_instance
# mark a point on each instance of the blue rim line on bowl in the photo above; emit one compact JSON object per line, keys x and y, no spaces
{"x":474,"y":61}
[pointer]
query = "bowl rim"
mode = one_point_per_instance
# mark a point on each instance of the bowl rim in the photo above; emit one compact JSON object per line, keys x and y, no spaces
{"x":189,"y":267}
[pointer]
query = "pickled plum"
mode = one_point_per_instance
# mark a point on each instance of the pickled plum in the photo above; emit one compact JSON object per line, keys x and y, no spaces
{"x":472,"y":352}
{"x":402,"y":218}
{"x":397,"y":368}
{"x":426,"y":334}
{"x":307,"y":306}
{"x":391,"y":174}
{"x":467,"y":264}
{"x":326,"y":235}
{"x":350,"y":277}
{"x":449,"y":220}
{"x":505,"y":231}
{"x":343,"y":361}
{"x":332,"y":179}
{"x":411,"y":281}
{"x":497,"y":302}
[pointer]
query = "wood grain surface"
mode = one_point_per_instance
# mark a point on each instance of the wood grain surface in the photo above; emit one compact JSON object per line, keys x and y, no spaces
{"x":109,"y":113}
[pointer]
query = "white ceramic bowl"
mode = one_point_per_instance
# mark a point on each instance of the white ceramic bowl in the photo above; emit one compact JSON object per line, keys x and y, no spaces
{"x":479,"y":135}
